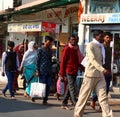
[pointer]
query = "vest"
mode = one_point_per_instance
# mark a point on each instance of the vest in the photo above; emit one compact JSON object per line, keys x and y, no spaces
{"x":10,"y":62}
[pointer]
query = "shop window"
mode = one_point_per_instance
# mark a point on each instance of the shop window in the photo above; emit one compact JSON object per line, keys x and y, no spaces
{"x":117,"y":50}
{"x":74,"y":29}
{"x":102,"y":6}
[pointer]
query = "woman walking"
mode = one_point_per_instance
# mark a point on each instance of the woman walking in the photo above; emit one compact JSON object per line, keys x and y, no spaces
{"x":28,"y":65}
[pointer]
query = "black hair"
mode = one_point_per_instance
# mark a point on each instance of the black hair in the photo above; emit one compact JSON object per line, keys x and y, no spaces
{"x":74,"y":36}
{"x":11,"y":43}
{"x":49,"y":38}
{"x":25,"y":40}
{"x":108,"y":33}
{"x":97,"y":32}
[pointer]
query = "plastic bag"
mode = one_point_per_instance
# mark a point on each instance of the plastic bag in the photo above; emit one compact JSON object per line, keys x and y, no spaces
{"x":60,"y":86}
{"x":38,"y":90}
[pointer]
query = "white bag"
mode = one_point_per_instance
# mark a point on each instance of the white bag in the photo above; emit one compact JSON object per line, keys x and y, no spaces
{"x":3,"y":79}
{"x":37,"y":90}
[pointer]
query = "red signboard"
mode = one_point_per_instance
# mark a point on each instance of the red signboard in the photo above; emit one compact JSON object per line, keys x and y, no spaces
{"x":48,"y":27}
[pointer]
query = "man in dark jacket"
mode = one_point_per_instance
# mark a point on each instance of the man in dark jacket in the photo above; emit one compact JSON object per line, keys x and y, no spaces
{"x":9,"y":66}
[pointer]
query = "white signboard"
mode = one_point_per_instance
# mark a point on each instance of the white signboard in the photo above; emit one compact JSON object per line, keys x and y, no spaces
{"x":24,"y":27}
{"x":110,"y":18}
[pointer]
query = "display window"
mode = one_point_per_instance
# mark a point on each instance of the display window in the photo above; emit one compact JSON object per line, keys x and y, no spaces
{"x":102,"y":6}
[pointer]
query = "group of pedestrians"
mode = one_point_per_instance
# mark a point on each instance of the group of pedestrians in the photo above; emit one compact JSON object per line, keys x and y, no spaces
{"x":36,"y":64}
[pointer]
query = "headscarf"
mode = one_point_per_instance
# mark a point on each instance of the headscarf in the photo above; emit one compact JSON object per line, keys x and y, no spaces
{"x":30,"y":49}
{"x":30,"y":45}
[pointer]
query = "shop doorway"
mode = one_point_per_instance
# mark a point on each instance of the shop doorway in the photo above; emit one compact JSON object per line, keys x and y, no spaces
{"x":116,"y":58}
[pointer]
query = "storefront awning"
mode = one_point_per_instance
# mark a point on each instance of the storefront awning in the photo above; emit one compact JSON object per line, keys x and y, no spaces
{"x":25,"y":9}
{"x":46,"y":5}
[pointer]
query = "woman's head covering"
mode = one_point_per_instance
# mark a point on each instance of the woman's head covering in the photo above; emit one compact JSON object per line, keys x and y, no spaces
{"x":31,"y":45}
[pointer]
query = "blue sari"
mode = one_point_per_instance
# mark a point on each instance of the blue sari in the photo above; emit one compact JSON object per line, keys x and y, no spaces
{"x":29,"y":73}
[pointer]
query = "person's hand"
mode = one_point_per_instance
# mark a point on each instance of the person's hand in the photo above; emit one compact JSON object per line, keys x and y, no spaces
{"x":37,"y":74}
{"x":61,"y":77}
{"x":21,"y":70}
{"x":3,"y":74}
{"x":106,"y":72}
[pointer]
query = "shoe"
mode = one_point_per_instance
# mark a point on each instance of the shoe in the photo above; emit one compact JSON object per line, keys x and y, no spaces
{"x":92,"y":104}
{"x":57,"y":96}
{"x":33,"y":99}
{"x":4,"y":94}
{"x":26,"y":95}
{"x":100,"y":109}
{"x":65,"y":107}
{"x":76,"y":115}
{"x":45,"y":103}
{"x":13,"y":98}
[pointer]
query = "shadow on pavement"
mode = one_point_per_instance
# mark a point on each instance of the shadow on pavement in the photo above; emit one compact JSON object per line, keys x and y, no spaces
{"x":8,"y":105}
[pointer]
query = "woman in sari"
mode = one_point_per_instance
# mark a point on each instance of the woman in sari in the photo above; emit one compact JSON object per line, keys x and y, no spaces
{"x":28,"y":65}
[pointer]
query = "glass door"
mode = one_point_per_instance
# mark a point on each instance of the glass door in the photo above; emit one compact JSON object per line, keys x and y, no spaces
{"x":115,"y":58}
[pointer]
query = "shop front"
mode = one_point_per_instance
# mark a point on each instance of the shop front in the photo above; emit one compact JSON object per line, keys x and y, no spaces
{"x":33,"y":30}
{"x":110,"y":23}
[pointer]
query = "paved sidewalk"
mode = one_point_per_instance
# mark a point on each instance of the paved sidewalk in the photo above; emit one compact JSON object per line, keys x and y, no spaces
{"x":114,"y":96}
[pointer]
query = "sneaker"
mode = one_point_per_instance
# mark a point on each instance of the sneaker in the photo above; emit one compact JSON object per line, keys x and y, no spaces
{"x":65,"y":107}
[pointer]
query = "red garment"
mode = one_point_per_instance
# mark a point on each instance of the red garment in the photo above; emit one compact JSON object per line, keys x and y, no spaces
{"x":69,"y":61}
{"x":18,"y":49}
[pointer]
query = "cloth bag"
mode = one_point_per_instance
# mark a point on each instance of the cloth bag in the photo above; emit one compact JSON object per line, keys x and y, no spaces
{"x":60,"y":86}
{"x":38,"y":90}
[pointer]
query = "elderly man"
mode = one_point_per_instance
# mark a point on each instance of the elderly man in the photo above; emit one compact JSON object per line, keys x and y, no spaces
{"x":94,"y":77}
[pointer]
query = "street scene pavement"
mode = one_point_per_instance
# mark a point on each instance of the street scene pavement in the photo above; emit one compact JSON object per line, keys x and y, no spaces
{"x":24,"y":107}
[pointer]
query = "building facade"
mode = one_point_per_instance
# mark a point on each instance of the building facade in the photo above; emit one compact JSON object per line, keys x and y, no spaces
{"x":103,"y":15}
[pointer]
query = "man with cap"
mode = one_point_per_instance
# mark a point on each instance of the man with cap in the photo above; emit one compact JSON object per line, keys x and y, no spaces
{"x":44,"y":65}
{"x":10,"y":64}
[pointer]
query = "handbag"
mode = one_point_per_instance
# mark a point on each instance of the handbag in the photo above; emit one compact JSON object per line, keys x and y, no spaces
{"x":61,"y":86}
{"x":37,"y":90}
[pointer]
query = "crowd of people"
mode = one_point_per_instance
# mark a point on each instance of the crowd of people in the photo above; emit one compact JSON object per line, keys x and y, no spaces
{"x":36,"y":64}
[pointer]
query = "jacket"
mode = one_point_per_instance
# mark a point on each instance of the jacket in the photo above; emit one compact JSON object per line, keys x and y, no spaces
{"x":93,"y":61}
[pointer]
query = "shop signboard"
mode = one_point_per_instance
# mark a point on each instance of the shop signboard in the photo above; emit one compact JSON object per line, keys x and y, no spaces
{"x":109,"y":18}
{"x":50,"y":27}
{"x":24,"y":27}
{"x":33,"y":27}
